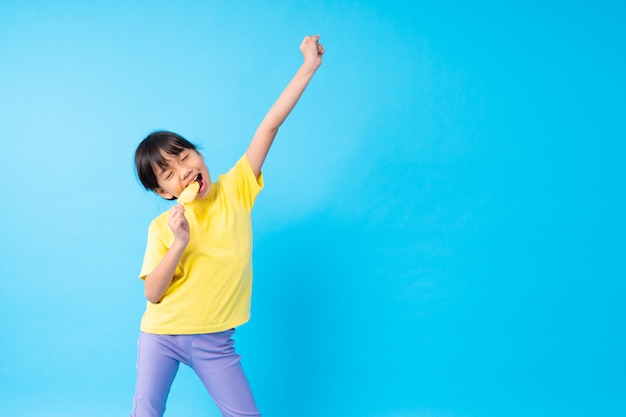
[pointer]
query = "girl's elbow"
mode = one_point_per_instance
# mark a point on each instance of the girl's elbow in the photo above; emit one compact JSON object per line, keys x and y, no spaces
{"x":151,"y":299}
{"x":152,"y":296}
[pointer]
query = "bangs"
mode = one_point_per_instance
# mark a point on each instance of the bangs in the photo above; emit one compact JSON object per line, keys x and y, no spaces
{"x":160,"y":157}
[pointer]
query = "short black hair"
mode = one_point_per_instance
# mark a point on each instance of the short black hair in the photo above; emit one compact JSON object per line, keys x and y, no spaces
{"x":151,"y":152}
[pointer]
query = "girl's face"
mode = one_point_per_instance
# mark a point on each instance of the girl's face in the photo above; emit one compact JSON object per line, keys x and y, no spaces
{"x":180,"y":171}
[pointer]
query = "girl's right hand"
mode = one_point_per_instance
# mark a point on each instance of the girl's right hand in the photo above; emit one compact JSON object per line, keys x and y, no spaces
{"x":179,"y":224}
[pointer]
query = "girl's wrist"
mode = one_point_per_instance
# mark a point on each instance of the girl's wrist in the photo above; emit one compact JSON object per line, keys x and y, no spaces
{"x":310,"y":66}
{"x":178,"y":245}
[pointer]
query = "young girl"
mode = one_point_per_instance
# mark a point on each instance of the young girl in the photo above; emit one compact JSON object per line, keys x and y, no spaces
{"x":197,"y":268}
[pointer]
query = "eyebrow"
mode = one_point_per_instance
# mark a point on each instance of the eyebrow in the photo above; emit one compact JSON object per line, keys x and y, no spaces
{"x":164,"y":163}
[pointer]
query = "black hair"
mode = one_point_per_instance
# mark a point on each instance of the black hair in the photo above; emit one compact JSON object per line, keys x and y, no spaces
{"x":151,"y":152}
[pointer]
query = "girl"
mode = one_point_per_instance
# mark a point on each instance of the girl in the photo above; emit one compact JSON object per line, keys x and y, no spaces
{"x":197,"y":268}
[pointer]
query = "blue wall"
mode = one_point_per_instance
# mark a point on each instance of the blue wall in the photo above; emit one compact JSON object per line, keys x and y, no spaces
{"x":442,"y":231}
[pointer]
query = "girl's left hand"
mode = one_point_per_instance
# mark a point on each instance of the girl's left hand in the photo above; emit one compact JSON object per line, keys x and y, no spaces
{"x":312,"y":50}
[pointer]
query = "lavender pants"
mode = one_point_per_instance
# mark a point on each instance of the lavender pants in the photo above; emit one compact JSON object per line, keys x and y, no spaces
{"x":213,"y":358}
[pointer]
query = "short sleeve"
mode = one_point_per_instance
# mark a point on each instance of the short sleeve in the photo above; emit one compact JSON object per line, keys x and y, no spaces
{"x":241,"y":181}
{"x":156,"y":249}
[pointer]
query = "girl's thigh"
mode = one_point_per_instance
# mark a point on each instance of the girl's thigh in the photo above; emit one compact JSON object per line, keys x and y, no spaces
{"x":157,"y":365}
{"x":218,"y":365}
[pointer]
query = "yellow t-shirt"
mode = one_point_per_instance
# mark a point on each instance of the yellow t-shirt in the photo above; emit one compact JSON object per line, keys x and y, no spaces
{"x":212,"y":286}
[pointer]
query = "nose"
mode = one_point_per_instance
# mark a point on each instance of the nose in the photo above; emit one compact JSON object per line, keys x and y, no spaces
{"x":185,"y":173}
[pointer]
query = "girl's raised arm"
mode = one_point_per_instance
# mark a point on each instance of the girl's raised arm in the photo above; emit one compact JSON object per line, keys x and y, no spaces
{"x":262,"y":140}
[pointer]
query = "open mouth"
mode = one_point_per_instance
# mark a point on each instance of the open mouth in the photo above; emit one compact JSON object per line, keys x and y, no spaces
{"x":200,"y":182}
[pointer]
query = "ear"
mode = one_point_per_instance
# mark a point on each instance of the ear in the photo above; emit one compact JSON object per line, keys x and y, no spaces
{"x":163,"y":193}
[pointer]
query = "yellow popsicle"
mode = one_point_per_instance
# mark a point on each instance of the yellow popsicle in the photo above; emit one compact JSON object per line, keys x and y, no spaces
{"x":189,"y":193}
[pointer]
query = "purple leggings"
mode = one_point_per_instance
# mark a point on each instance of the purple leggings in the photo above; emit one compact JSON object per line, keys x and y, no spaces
{"x":213,"y":358}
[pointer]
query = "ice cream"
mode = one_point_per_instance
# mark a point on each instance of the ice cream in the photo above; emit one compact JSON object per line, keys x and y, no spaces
{"x":189,"y":193}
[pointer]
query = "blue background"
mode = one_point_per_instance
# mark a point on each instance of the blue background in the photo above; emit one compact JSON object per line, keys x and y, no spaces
{"x":442,"y":231}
